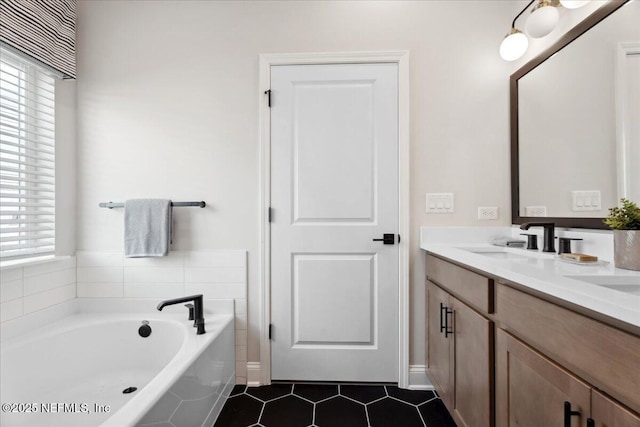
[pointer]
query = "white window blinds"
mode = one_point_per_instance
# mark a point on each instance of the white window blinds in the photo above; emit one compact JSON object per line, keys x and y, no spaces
{"x":27,"y":155}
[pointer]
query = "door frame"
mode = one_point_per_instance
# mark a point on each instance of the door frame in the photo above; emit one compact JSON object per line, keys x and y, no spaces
{"x":260,"y":373}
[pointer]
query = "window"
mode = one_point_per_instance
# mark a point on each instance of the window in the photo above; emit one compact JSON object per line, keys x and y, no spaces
{"x":27,"y":155}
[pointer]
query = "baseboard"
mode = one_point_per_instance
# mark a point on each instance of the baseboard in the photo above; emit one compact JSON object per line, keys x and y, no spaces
{"x":418,"y":379}
{"x":253,"y":374}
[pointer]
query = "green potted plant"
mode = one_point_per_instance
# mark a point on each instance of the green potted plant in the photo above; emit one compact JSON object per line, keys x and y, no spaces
{"x":625,"y":222}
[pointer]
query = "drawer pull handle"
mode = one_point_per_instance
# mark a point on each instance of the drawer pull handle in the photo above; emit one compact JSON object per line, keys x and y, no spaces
{"x":444,"y":320}
{"x":447,"y":331}
{"x":568,"y":413}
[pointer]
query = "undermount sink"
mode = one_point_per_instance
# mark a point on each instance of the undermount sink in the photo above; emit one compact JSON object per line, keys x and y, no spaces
{"x":508,"y":253}
{"x":500,"y":255}
{"x":628,"y":284}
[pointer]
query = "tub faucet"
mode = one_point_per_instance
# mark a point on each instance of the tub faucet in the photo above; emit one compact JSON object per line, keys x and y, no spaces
{"x":549,"y":231}
{"x":198,"y":310}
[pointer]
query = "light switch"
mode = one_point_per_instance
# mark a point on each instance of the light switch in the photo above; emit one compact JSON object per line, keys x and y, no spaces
{"x":585,"y":201}
{"x":440,"y":203}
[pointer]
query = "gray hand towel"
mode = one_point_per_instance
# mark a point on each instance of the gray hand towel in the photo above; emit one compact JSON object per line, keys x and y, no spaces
{"x":147,"y":227}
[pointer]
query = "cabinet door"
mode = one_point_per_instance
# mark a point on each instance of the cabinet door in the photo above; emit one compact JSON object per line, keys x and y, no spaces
{"x":607,"y":413}
{"x":473,"y":365}
{"x":531,"y":389}
{"x":438,"y":345}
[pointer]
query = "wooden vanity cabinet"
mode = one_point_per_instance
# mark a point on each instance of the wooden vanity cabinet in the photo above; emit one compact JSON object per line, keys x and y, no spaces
{"x":459,"y":349}
{"x":545,"y":356}
{"x":585,"y":353}
{"x":532,"y":390}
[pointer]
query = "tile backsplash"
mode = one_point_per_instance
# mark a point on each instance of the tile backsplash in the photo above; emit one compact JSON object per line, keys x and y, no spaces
{"x":24,"y":290}
{"x":216,"y":275}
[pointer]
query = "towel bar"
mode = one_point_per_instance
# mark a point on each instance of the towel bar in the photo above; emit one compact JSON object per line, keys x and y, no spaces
{"x":112,"y":205}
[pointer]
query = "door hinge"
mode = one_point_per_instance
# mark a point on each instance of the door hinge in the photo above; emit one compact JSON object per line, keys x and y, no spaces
{"x":268,"y":93}
{"x":269,"y":213}
{"x":270,"y":331}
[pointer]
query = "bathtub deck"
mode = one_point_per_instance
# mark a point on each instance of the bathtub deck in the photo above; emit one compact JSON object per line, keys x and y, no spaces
{"x":332,"y":405}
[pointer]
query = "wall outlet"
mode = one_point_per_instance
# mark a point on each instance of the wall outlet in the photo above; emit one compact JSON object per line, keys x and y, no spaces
{"x":439,"y":202}
{"x":585,"y":201}
{"x":535,"y":211}
{"x":488,"y":213}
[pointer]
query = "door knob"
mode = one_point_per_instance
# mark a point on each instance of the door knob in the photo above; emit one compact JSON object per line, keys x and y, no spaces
{"x":387,"y":239}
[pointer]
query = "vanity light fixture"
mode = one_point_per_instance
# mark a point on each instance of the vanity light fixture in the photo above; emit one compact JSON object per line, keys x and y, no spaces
{"x":515,"y":43}
{"x":542,"y":21}
{"x":573,"y":4}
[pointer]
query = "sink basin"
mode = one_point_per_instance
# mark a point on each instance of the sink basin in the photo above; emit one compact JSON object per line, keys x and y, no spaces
{"x":508,"y":253}
{"x":628,"y":284}
{"x":500,"y":255}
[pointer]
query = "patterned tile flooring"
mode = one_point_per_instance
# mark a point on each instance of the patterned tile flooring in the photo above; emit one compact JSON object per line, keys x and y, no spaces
{"x":332,"y":405}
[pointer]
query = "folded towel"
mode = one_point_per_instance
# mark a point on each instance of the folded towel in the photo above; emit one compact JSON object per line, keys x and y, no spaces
{"x":507,"y":241}
{"x":147,"y":227}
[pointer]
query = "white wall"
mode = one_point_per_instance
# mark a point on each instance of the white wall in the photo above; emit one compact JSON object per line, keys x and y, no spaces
{"x":168,"y":107}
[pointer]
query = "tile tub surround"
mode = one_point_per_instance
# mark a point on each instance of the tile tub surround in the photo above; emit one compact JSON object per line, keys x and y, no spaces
{"x":329,"y":405}
{"x":216,"y":275}
{"x":24,"y":290}
{"x":544,"y":275}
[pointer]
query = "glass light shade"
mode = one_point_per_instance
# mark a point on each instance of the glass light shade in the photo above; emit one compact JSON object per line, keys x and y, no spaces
{"x":573,"y":4}
{"x":514,"y":45}
{"x":542,"y":21}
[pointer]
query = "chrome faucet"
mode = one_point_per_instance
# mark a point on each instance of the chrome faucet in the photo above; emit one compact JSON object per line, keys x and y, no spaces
{"x":549,"y":234}
{"x":198,"y":310}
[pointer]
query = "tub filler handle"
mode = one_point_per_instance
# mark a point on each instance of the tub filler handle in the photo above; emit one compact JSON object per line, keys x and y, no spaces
{"x":191,"y":312}
{"x":198,"y":310}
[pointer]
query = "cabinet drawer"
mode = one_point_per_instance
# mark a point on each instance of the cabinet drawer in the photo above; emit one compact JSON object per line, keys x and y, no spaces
{"x":470,"y":287}
{"x":607,"y":357}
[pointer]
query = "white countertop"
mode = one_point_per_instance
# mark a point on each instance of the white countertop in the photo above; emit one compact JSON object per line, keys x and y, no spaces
{"x":539,"y":271}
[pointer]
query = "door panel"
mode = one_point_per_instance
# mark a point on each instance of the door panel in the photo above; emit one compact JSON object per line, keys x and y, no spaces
{"x":334,"y":152}
{"x":473,"y":365}
{"x":334,"y":188}
{"x":531,"y":389}
{"x":607,"y":413}
{"x":439,"y":347}
{"x":331,"y":291}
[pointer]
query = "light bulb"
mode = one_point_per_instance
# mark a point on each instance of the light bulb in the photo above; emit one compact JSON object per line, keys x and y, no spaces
{"x":573,"y":4}
{"x":514,"y":45}
{"x":542,"y":21}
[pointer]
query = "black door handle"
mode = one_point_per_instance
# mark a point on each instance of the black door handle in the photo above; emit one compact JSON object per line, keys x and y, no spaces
{"x":591,"y":422}
{"x":568,"y":413}
{"x":387,"y":239}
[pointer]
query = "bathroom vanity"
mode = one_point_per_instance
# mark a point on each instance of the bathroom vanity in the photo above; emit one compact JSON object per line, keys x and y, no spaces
{"x":516,"y":337}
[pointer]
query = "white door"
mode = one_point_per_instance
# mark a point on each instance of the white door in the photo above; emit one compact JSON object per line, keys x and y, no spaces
{"x":334,"y":188}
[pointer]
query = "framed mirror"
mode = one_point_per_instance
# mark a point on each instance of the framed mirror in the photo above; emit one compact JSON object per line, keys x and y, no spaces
{"x":575,"y":150}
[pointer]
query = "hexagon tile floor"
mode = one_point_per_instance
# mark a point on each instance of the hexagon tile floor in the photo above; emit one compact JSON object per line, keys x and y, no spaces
{"x":332,"y":405}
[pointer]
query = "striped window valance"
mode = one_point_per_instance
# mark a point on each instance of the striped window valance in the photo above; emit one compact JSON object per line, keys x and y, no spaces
{"x":42,"y":29}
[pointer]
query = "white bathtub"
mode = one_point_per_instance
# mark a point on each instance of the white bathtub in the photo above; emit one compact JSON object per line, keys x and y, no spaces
{"x":68,"y":365}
